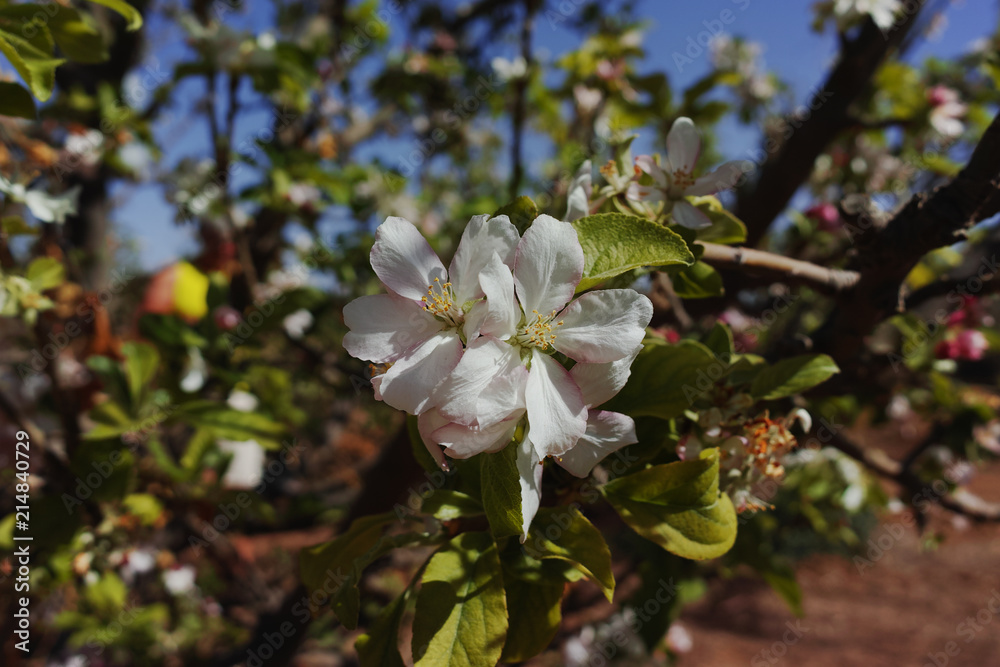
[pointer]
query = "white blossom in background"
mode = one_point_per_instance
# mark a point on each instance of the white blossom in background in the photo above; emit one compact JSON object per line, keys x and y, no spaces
{"x":246,"y":467}
{"x":946,"y":111}
{"x":45,"y":207}
{"x":243,"y":401}
{"x":882,"y":12}
{"x":510,"y":70}
{"x":179,"y":580}
{"x":85,"y":148}
{"x":674,"y":180}
{"x":414,"y":334}
{"x":297,"y":324}
{"x":508,"y":372}
{"x":194,"y":372}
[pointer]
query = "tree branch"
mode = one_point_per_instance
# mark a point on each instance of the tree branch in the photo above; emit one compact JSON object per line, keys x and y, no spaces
{"x":788,"y":166}
{"x":887,"y":253}
{"x":781,"y":267}
{"x":959,"y":501}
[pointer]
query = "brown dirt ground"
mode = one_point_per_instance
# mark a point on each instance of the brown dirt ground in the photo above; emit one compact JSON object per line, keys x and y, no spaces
{"x":909,"y":608}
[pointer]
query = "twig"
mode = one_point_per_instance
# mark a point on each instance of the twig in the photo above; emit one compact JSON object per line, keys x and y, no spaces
{"x":959,"y":501}
{"x":792,"y":270}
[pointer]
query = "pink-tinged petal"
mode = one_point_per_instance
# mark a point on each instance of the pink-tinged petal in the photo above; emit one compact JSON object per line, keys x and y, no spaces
{"x":603,"y":326}
{"x":481,"y":384}
{"x":464,"y":441}
{"x":683,"y":145}
{"x":383,"y":326}
{"x":503,"y":313}
{"x":649,"y":166}
{"x":607,"y":432}
{"x":645,"y":193}
{"x":600,"y":383}
{"x":723,"y":178}
{"x":403,"y":260}
{"x":556,"y":412}
{"x":529,"y":468}
{"x":483,"y":237}
{"x":688,"y":216}
{"x":410,"y":382}
{"x":548,"y":265}
{"x":427,"y":423}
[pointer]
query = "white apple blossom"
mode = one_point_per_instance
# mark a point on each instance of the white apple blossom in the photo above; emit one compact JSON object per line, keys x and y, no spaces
{"x":510,"y":372}
{"x":674,"y":181}
{"x":414,"y":335}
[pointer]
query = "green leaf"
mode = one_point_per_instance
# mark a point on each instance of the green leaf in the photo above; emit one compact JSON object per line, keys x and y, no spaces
{"x":726,"y":228}
{"x":14,"y":225}
{"x":74,"y":33}
{"x":502,"y":491}
{"x":667,"y":379}
{"x":614,"y":243}
{"x":335,"y":567}
{"x":678,"y":506}
{"x":461,"y":615}
{"x":792,"y":376}
{"x":33,"y":59}
{"x":522,"y":212}
{"x":447,"y":505}
{"x":144,"y":506}
{"x":232,"y":424}
{"x":141,"y":363}
{"x":379,"y":647}
{"x":699,"y":281}
{"x":576,"y":541}
{"x":45,"y":273}
{"x":782,"y":580}
{"x":16,"y":101}
{"x":534,"y":614}
{"x":130,"y":13}
{"x":720,"y":341}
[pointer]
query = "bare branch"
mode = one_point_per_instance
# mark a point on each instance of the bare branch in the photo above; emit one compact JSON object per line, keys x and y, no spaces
{"x":780,"y":267}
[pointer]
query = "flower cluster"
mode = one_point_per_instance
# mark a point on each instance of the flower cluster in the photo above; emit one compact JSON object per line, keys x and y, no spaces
{"x":480,"y":350}
{"x":752,"y":449}
{"x":673,"y":180}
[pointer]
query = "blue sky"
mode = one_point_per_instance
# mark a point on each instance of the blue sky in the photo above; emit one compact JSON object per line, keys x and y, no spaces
{"x":799,"y":55}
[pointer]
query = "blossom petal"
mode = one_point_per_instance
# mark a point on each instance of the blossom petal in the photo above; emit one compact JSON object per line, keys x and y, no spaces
{"x":486,"y":385}
{"x":548,"y":265}
{"x":409,"y":383}
{"x":686,"y":215}
{"x":503,"y":312}
{"x":647,"y":165}
{"x":726,"y":176}
{"x":465,"y":441}
{"x":483,"y":237}
{"x":607,"y":432}
{"x":403,"y":260}
{"x":556,"y":412}
{"x":683,"y":145}
{"x":600,"y":383}
{"x":648,"y":193}
{"x":427,"y":423}
{"x":603,"y":326}
{"x":383,"y":326}
{"x":529,"y":467}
